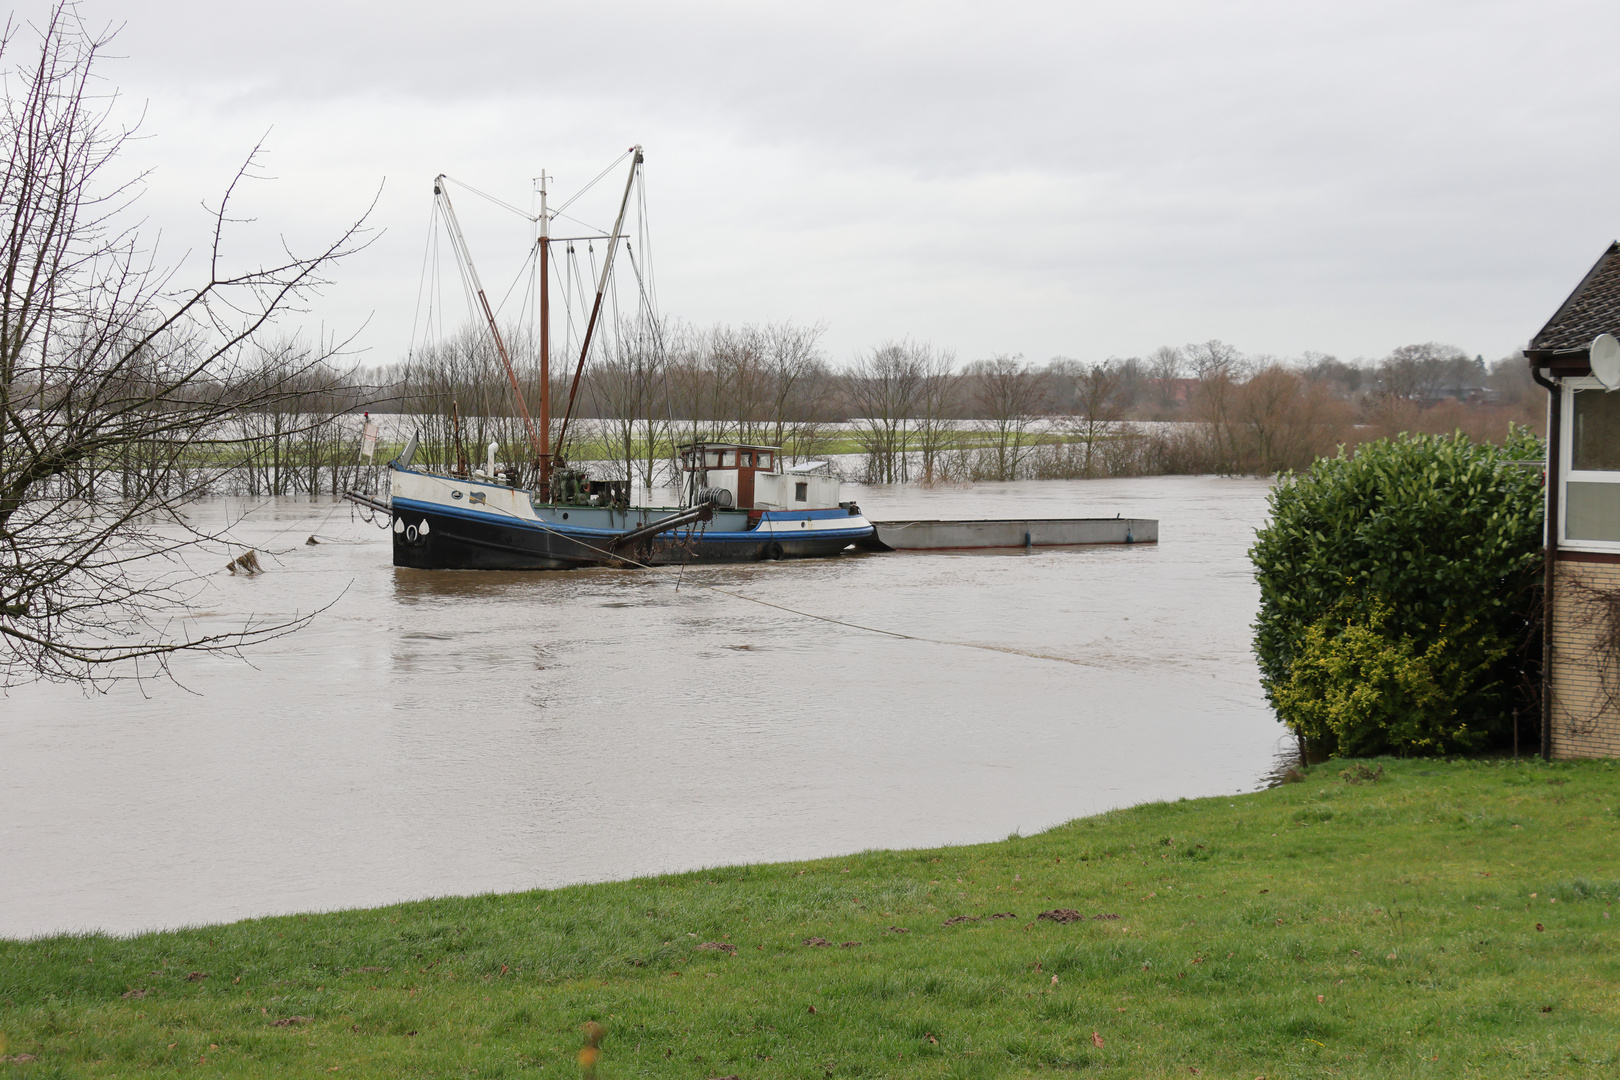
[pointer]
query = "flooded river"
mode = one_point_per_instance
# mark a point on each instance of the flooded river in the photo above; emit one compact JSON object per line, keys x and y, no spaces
{"x":437,"y":733}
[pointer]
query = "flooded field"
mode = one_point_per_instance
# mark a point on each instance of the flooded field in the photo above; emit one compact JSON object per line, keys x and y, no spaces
{"x":437,"y":733}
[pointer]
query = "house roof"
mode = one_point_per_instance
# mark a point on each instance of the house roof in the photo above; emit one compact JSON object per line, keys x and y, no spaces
{"x":1592,"y":309}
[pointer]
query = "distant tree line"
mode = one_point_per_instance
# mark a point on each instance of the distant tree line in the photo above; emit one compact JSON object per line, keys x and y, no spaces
{"x":907,"y":410}
{"x":912,"y":412}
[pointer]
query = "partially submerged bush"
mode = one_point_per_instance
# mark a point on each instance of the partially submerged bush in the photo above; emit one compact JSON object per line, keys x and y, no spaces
{"x":1397,"y":592}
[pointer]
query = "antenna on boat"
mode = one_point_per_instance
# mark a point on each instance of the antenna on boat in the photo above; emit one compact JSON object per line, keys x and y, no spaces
{"x":464,"y":258}
{"x":601,"y":287}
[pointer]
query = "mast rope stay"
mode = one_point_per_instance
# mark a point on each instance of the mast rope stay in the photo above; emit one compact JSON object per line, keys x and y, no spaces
{"x":596,"y":305}
{"x":575,"y":197}
{"x":502,"y":203}
{"x":804,"y":614}
{"x":428,"y":247}
{"x":470,"y":282}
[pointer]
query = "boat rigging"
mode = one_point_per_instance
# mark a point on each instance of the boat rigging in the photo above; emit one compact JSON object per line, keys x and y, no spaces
{"x":738,"y":502}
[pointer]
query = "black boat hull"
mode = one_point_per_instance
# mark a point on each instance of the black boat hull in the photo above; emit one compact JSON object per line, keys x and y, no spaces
{"x":456,"y":542}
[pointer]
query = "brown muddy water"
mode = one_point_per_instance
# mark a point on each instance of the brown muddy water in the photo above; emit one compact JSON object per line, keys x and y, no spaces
{"x":439,"y":733}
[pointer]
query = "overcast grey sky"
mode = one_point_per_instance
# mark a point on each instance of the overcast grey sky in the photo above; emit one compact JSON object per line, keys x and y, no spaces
{"x":1085,"y":179}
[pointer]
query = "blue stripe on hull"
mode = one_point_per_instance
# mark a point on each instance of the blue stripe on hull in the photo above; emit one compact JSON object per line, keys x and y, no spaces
{"x":458,"y":539}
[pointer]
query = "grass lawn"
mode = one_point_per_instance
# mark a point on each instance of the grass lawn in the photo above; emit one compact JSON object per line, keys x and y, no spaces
{"x":1447,"y":919}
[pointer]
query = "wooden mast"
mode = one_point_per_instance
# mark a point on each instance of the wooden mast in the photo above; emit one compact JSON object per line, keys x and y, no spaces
{"x":544,"y":462}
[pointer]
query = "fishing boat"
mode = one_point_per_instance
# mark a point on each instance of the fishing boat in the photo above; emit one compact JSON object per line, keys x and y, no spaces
{"x":738,"y":502}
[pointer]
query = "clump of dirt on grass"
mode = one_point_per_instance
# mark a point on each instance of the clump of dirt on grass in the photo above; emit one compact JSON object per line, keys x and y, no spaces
{"x":1360,"y":774}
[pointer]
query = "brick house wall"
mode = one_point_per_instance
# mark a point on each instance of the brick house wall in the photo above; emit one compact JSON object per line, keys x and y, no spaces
{"x":1585,"y":672}
{"x":1573,"y":358}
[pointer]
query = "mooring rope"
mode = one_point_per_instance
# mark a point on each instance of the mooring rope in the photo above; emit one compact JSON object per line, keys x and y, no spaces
{"x":809,"y":614}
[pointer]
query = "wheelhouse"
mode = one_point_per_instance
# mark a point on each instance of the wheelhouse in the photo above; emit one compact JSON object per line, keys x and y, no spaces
{"x":733,"y":468}
{"x":752,"y":477}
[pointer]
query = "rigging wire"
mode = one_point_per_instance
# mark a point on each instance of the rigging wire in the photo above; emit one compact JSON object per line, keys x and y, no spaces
{"x":497,"y":201}
{"x":644,"y":237}
{"x":593,"y":183}
{"x":603,"y":234}
{"x":533,"y":257}
{"x":422,"y":281}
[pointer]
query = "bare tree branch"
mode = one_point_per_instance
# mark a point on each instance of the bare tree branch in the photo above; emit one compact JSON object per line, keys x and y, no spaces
{"x":122,"y":396}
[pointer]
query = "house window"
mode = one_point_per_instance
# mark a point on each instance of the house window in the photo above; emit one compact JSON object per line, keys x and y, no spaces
{"x":801,"y":491}
{"x":1591,"y":503}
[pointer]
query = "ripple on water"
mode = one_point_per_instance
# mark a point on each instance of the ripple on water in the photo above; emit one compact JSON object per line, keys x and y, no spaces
{"x":462,"y":732}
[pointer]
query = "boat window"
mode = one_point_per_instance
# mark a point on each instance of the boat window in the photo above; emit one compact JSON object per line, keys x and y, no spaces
{"x":801,"y":492}
{"x":764,"y":461}
{"x":714,"y":459}
{"x":728,"y":459}
{"x":747,"y":459}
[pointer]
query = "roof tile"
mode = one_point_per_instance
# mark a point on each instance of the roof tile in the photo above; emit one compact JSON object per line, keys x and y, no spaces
{"x":1592,"y":309}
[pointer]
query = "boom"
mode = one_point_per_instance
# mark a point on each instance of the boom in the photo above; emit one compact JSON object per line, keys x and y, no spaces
{"x":464,"y":257}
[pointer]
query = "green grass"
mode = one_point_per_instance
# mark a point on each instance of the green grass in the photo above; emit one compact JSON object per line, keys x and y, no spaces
{"x":1449,"y":919}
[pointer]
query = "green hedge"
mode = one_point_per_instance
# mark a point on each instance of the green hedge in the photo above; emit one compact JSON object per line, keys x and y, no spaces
{"x":1398,"y":591}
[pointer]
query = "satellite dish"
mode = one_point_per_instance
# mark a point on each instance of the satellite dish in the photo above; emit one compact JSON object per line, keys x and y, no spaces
{"x":1606,"y":361}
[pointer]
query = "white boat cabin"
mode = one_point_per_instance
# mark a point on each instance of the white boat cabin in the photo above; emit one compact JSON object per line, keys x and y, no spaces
{"x":754,"y":477}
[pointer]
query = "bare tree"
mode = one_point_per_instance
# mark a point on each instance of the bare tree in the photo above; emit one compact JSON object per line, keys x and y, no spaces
{"x":795,"y":374}
{"x":1008,"y":396}
{"x":1510,"y":380}
{"x":1218,"y":368}
{"x":882,"y":389}
{"x":628,"y":385}
{"x":1213,"y":359}
{"x":1285,"y":421}
{"x":1420,"y":373}
{"x":105,"y":358}
{"x":1165,"y":365}
{"x":938,"y":406}
{"x":1099,"y":402}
